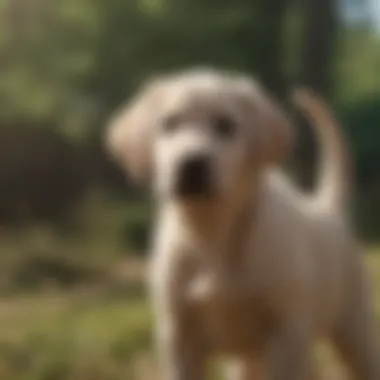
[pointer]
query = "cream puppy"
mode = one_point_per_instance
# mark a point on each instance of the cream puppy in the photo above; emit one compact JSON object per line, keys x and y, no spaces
{"x":244,"y":264}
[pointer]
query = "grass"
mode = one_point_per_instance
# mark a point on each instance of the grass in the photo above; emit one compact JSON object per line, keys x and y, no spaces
{"x":85,"y":335}
{"x":94,"y":330}
{"x":110,"y":232}
{"x":66,"y":310}
{"x":66,"y":336}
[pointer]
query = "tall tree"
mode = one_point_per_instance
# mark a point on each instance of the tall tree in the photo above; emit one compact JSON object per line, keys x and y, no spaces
{"x":272,"y":37}
{"x":317,"y":61}
{"x":317,"y":54}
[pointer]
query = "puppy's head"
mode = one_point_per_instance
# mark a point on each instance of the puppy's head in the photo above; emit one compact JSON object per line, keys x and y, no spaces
{"x":197,"y":134}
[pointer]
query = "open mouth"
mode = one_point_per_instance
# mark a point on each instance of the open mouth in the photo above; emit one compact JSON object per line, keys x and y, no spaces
{"x":194,"y":179}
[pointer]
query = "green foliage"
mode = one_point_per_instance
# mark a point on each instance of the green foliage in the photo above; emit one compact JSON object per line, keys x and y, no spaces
{"x":48,"y":55}
{"x":78,"y":59}
{"x":358,"y":65}
{"x":69,"y":337}
{"x":90,"y":336}
{"x":74,"y":61}
{"x":362,"y":119}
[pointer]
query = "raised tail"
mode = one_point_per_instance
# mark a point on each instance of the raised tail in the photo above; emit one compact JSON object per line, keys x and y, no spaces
{"x":334,"y":181}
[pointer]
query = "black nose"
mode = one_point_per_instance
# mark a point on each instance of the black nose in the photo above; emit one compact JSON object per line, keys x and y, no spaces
{"x":194,"y":176}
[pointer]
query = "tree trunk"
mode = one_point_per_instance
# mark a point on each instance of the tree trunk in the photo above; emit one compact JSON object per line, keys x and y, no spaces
{"x":317,"y":58}
{"x":272,"y":49}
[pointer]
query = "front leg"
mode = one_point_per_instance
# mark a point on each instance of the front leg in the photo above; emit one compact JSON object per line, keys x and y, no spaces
{"x":290,"y":353}
{"x":183,"y":354}
{"x":181,"y":343}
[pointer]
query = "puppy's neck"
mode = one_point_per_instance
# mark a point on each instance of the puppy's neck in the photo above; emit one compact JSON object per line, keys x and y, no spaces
{"x":214,"y":224}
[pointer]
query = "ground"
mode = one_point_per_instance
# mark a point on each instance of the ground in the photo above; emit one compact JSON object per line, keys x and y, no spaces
{"x":99,"y":333}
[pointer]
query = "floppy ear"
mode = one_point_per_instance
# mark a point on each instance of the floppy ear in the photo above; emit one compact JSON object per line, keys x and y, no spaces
{"x":129,"y":135}
{"x":272,"y":127}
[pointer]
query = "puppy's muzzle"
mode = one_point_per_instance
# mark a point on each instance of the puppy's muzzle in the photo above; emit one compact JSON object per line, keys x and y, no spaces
{"x":194,"y":177}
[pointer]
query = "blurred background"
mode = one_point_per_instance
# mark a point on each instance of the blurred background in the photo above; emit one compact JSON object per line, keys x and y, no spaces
{"x":73,"y":229}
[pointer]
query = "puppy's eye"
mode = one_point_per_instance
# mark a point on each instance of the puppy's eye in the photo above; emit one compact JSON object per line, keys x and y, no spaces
{"x":224,"y":126}
{"x":170,"y":124}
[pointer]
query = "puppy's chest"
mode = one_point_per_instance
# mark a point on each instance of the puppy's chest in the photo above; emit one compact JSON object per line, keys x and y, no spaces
{"x":234,"y":317}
